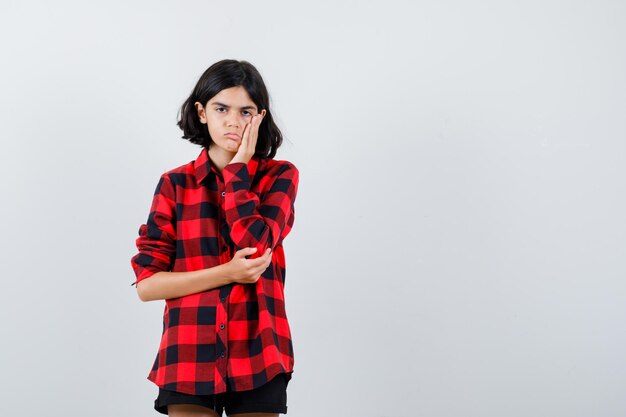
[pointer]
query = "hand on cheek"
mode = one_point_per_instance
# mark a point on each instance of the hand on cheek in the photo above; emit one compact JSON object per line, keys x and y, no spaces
{"x":248,"y":143}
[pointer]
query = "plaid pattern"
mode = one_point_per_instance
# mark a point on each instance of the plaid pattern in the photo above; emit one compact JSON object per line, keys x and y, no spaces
{"x":238,"y":333}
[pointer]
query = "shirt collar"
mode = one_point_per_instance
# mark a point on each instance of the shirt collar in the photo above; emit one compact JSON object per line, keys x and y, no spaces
{"x":203,"y":166}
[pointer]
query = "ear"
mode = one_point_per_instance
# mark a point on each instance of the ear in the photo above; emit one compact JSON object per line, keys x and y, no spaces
{"x":263,"y":113}
{"x":200,"y":110}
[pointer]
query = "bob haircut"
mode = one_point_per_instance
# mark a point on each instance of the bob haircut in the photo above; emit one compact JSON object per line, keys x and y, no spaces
{"x":219,"y":76}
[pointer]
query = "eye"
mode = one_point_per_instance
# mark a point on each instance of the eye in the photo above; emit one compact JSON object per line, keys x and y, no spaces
{"x":247,"y":113}
{"x":219,"y":108}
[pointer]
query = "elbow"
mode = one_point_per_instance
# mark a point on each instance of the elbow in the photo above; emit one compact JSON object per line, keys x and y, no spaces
{"x":143,"y":292}
{"x":140,"y":293}
{"x":262,"y":242}
{"x":148,"y":288}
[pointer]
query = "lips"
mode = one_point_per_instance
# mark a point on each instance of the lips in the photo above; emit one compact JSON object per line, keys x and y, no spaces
{"x":232,"y":136}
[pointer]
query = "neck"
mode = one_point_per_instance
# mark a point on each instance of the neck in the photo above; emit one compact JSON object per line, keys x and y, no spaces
{"x":219,"y":157}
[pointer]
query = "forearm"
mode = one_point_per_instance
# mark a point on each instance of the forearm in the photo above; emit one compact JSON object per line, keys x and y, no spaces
{"x":164,"y":285}
{"x":256,"y":223}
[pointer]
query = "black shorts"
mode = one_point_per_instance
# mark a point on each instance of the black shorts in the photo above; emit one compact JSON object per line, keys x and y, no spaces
{"x":268,"y":398}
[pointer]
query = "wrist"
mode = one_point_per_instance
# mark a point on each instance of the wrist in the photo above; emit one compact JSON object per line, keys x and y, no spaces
{"x":225,"y":273}
{"x":236,"y":160}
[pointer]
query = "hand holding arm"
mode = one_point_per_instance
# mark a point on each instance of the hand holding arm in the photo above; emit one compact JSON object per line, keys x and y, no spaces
{"x":165,"y":285}
{"x":157,"y":246}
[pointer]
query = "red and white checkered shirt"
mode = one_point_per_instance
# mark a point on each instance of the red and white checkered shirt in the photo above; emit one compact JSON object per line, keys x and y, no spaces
{"x":238,"y":333}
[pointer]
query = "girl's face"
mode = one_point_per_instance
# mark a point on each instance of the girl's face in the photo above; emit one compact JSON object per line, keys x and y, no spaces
{"x":226,"y":115}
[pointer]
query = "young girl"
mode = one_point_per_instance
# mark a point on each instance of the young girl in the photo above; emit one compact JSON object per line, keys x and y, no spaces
{"x":212,"y":249}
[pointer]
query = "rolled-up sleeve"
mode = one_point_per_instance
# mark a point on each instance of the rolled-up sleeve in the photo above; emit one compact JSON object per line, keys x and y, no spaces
{"x":156,"y":243}
{"x":259,"y":222}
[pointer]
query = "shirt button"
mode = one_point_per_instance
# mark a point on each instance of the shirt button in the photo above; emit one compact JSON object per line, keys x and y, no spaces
{"x":223,"y":354}
{"x":223,"y":193}
{"x":225,"y":247}
{"x":222,"y":326}
{"x":223,"y":299}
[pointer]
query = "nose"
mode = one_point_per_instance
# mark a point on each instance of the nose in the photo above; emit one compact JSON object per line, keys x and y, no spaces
{"x":233,"y":120}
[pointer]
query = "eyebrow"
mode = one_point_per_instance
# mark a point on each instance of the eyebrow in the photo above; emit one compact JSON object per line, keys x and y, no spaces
{"x":217,"y":103}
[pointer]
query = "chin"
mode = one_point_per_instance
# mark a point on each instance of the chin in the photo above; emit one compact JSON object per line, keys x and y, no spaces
{"x":231,"y":150}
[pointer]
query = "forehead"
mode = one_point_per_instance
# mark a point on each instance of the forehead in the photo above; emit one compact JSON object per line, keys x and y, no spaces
{"x":233,"y":97}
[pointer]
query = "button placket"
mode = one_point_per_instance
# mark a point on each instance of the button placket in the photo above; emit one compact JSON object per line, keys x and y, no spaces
{"x":221,"y":222}
{"x":221,"y":329}
{"x":222,"y":316}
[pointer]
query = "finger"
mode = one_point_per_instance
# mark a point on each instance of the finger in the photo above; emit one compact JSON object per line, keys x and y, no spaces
{"x":254,"y":134}
{"x":257,"y":262}
{"x":247,"y":251}
{"x":246,"y":133}
{"x":261,"y":269}
{"x":242,"y":253}
{"x":251,"y":143}
{"x":245,"y":137}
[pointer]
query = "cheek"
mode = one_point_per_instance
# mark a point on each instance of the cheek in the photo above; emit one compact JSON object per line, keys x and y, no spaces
{"x":213,"y":124}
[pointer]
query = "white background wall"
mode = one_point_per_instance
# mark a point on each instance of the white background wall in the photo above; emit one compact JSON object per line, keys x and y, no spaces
{"x":460,"y":234}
